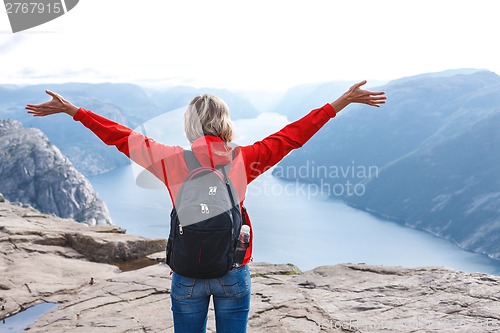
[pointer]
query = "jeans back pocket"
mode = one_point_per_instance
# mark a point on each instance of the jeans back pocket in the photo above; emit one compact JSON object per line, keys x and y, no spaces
{"x":182,"y":287}
{"x":236,"y":283}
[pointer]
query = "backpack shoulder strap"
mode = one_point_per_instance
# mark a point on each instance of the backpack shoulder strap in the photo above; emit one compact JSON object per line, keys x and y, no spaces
{"x":225,"y":170}
{"x":191,"y":160}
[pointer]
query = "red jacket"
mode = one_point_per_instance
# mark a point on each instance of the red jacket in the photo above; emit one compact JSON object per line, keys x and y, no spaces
{"x":167,"y":162}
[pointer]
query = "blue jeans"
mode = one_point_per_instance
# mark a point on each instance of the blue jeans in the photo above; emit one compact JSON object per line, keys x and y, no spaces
{"x":191,"y":297}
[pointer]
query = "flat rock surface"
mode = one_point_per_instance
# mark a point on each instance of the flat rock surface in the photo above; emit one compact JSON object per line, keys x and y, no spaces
{"x":99,"y":297}
{"x":46,"y":258}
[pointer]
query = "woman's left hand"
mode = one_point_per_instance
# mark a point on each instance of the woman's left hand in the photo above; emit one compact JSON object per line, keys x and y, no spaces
{"x":357,"y":95}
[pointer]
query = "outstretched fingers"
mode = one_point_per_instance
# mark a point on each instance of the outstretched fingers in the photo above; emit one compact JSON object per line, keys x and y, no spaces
{"x":43,"y":109}
{"x":377,"y":98}
{"x":41,"y":113}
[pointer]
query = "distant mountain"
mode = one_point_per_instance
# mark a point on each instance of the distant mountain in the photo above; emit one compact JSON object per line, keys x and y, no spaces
{"x":87,"y":153}
{"x":180,"y":96}
{"x":299,"y":100}
{"x":34,"y":172}
{"x":129,"y":99}
{"x":429,"y":159}
{"x":127,"y":104}
{"x":446,"y":73}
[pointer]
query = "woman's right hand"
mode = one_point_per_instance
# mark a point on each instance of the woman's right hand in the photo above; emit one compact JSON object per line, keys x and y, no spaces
{"x":57,"y":105}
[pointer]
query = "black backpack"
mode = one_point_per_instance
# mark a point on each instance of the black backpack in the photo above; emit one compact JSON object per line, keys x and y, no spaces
{"x":205,"y":222}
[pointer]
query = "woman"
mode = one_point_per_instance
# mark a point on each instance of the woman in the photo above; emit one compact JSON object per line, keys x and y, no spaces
{"x":209,"y":129}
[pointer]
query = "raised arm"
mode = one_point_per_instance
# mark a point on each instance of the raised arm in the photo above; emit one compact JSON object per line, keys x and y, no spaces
{"x":262,"y":155}
{"x":141,"y":149}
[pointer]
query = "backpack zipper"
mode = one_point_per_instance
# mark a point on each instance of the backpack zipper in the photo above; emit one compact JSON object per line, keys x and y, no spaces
{"x":204,"y":209}
{"x":212,"y":190}
{"x":223,"y":211}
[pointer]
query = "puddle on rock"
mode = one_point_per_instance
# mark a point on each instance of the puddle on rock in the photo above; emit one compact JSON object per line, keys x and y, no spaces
{"x":18,"y":322}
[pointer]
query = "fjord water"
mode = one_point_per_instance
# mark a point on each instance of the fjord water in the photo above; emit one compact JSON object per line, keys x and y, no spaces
{"x":291,"y":226}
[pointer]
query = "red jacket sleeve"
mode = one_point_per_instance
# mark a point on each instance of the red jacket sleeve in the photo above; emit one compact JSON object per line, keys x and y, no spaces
{"x":139,"y":148}
{"x":262,"y":155}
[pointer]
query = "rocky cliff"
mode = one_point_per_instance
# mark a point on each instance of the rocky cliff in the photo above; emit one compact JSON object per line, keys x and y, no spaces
{"x":34,"y":172}
{"x":41,"y":262}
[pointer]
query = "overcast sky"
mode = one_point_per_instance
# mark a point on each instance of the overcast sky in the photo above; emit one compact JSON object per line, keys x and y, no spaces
{"x":257,"y":44}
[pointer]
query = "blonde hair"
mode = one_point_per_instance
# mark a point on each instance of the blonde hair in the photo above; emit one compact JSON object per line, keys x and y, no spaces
{"x":207,"y":115}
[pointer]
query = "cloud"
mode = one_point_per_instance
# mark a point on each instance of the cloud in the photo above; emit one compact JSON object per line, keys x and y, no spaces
{"x":9,"y":44}
{"x":263,"y":44}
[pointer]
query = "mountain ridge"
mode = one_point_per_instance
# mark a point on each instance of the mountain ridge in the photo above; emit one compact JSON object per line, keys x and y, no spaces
{"x":435,"y":145}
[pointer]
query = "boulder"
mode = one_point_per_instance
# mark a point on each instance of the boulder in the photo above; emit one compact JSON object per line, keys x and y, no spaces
{"x":34,"y":172}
